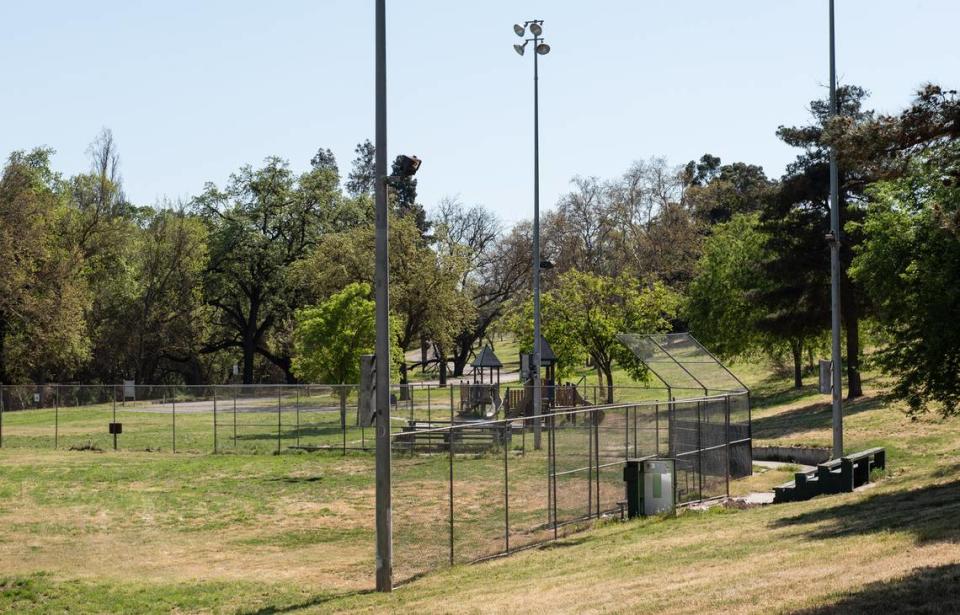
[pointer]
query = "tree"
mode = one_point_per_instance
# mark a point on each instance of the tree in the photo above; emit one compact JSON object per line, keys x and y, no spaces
{"x":424,"y":283}
{"x":719,"y":192}
{"x":909,"y":259}
{"x":43,"y":296}
{"x":496,"y":268}
{"x":263,"y":224}
{"x":362,"y":175}
{"x":585,"y":312}
{"x":910,"y":265}
{"x":324,"y":160}
{"x":168,"y":316}
{"x":718,"y":307}
{"x":797,"y":219}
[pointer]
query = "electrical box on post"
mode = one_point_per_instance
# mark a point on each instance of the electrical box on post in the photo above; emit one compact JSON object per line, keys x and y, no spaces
{"x":651,"y":486}
{"x":367,"y":399}
{"x":826,"y":376}
{"x":659,"y":486}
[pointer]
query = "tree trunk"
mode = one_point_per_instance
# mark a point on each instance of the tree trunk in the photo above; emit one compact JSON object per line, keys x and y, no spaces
{"x":608,"y":374}
{"x":249,"y":350}
{"x":854,"y":386}
{"x":3,"y":335}
{"x":796,"y":349}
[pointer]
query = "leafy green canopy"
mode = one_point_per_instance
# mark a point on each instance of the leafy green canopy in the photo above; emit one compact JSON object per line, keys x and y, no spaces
{"x":330,"y":337}
{"x":584,"y":313}
{"x":718,"y":306}
{"x":909,"y":264}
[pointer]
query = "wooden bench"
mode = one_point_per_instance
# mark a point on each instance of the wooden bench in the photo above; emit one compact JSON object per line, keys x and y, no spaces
{"x":835,"y":476}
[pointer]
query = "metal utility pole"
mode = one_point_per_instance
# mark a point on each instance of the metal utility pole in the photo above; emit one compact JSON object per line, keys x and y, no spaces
{"x":834,"y":239}
{"x":382,"y":299}
{"x":539,"y":48}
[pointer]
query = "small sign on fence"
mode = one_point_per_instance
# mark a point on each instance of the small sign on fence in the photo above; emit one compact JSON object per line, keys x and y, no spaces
{"x":129,"y":390}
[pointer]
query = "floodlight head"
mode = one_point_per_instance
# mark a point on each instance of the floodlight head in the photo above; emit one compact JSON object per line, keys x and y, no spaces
{"x":536,"y":29}
{"x":543,"y":49}
{"x":407,"y":166}
{"x":520,"y":48}
{"x":520,"y":30}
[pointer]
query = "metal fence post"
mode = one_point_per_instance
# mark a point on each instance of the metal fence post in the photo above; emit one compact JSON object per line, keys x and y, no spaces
{"x":428,"y":404}
{"x":173,"y":417}
{"x":590,"y":420}
{"x":1,"y":416}
{"x":552,"y":469}
{"x":279,"y":418}
{"x":450,"y":457}
{"x":506,"y":488}
{"x":596,"y":452}
{"x":626,"y":432}
{"x":214,"y":419}
{"x":700,"y":449}
{"x":56,"y":417}
{"x":726,"y":436}
{"x":235,"y":418}
{"x":656,"y":418}
{"x":298,"y":417}
{"x":114,"y":416}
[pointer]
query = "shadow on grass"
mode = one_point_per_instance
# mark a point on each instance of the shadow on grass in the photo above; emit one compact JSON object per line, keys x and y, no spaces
{"x":807,"y":418}
{"x":931,"y":589}
{"x":291,"y":434}
{"x":306,"y":604}
{"x":295,"y":480}
{"x":770,"y":392}
{"x":930,"y":513}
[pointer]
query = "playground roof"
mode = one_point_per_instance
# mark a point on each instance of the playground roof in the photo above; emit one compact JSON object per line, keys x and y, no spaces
{"x":546,"y":352}
{"x":487,"y":358}
{"x":681,"y":362}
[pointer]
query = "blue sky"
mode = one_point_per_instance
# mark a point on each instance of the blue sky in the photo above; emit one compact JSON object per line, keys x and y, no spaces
{"x":193,"y":90}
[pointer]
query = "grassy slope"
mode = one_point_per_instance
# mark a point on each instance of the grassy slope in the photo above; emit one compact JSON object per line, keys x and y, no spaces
{"x":187,"y":525}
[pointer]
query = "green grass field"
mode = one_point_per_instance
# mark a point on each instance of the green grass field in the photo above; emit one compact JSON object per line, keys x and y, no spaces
{"x":138,"y":531}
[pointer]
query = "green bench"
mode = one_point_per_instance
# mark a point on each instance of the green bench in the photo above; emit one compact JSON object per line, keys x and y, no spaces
{"x":835,"y":476}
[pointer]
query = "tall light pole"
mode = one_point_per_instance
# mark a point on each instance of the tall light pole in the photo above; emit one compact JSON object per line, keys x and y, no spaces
{"x":834,"y":238}
{"x":540,"y":48}
{"x":384,"y":515}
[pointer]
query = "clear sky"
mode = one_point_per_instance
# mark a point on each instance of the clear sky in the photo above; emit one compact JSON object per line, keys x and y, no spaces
{"x":193,"y":90}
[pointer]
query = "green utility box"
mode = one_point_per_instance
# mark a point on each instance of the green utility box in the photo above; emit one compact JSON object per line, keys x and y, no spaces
{"x":651,"y":486}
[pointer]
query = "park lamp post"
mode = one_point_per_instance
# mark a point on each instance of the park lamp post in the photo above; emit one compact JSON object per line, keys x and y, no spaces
{"x":834,"y":239}
{"x":540,"y":48}
{"x":406,"y":166}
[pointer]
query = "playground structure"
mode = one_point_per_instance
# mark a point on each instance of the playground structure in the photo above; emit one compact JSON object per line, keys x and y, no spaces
{"x":481,"y":398}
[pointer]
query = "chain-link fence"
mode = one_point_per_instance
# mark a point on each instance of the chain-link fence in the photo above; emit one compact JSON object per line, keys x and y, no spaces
{"x":224,"y":418}
{"x":258,"y":418}
{"x":464,"y":487}
{"x":466,"y":491}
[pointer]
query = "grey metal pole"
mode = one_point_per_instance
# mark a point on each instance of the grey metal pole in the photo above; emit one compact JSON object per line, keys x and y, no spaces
{"x":537,"y":402}
{"x":384,"y":512}
{"x":835,"y":260}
